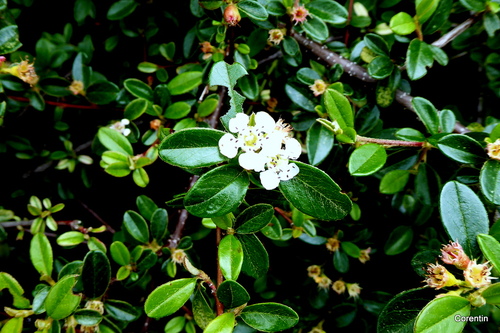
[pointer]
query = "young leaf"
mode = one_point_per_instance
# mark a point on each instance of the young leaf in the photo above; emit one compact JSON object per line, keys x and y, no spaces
{"x":159,"y":223}
{"x":13,"y":325}
{"x":269,"y":317}
{"x":314,"y":193}
{"x":490,"y":248}
{"x":394,"y":181}
{"x":202,"y":312}
{"x":60,"y":301}
{"x":169,"y":297}
{"x":139,"y":89}
{"x":121,"y":310}
{"x":367,"y":159}
{"x":121,"y":9}
{"x":440,"y":313}
{"x":402,"y":24}
{"x":338,"y":108}
{"x":427,"y":114}
{"x":425,"y":8}
{"x":462,"y":148}
{"x":418,"y":57}
{"x":253,"y":9}
{"x":316,"y":28}
{"x":399,"y":240}
{"x":230,"y":255}
{"x":120,"y":253}
{"x":490,"y":181}
{"x":114,"y":141}
{"x":463,"y":215}
{"x":41,"y":254}
{"x":87,"y":317}
{"x":136,"y":108}
{"x":492,"y":294}
{"x":184,"y":82}
{"x":319,"y":143}
{"x":221,"y":324}
{"x":136,"y":226}
{"x":8,"y":282}
{"x":328,"y":11}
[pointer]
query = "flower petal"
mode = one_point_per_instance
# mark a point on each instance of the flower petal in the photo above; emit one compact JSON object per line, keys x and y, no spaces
{"x":292,"y":148}
{"x":269,"y":179}
{"x":239,"y":122}
{"x":291,"y":171}
{"x":264,"y":122}
{"x":252,"y":161}
{"x":228,"y":145}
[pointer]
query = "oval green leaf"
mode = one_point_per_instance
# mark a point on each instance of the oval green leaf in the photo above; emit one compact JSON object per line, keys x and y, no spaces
{"x":490,"y":181}
{"x":269,"y":317}
{"x":136,"y":108}
{"x":102,"y":92}
{"x":367,"y":159}
{"x":255,"y":257}
{"x":121,"y":310}
{"x":394,"y":181}
{"x":319,"y":143}
{"x":221,"y":324}
{"x":96,"y":274}
{"x":41,"y":254}
{"x":338,"y":108}
{"x":253,"y":9}
{"x":177,"y":110}
{"x":232,"y":294}
{"x":60,"y":301}
{"x":399,"y":240}
{"x":184,"y":82}
{"x":462,"y":148}
{"x":115,"y":141}
{"x":136,"y":226}
{"x":402,"y":24}
{"x":230,"y":254}
{"x":120,"y":253}
{"x":254,"y":218}
{"x":490,"y":248}
{"x":439,"y":315}
{"x":328,"y":11}
{"x":70,"y":238}
{"x":169,"y":297}
{"x":139,"y":89}
{"x":121,"y":9}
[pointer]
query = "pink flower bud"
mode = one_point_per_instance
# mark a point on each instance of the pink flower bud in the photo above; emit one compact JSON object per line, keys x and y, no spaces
{"x":232,"y":15}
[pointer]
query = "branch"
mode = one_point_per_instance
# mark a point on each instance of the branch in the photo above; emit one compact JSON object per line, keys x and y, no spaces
{"x":452,"y":34}
{"x":390,"y":143}
{"x":100,"y":219}
{"x":66,"y":105}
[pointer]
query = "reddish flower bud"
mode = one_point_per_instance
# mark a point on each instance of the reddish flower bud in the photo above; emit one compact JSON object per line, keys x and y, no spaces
{"x":232,"y":15}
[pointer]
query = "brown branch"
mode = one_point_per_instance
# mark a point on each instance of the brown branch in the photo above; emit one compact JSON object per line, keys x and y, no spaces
{"x":100,"y":219}
{"x":284,"y":214}
{"x":181,"y":222}
{"x":67,"y":105}
{"x":390,"y":143}
{"x":453,"y":33}
{"x":27,"y":223}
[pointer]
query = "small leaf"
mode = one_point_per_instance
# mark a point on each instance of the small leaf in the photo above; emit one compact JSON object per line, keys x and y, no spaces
{"x":232,"y":294}
{"x":427,"y":114}
{"x":87,"y":317}
{"x":490,"y":181}
{"x":9,"y":39}
{"x":402,"y":24}
{"x":380,"y":67}
{"x":230,"y":255}
{"x":439,"y":315}
{"x":139,"y":89}
{"x":377,"y":44}
{"x":169,"y":297}
{"x":224,"y":323}
{"x":96,"y":274}
{"x":319,"y":143}
{"x":492,"y":294}
{"x":41,"y":254}
{"x":136,"y":226}
{"x":136,"y":108}
{"x":425,"y":8}
{"x":102,"y":92}
{"x":184,"y":82}
{"x":8,"y":282}
{"x":490,"y":248}
{"x":253,"y":219}
{"x":121,"y":310}
{"x":462,"y":148}
{"x":114,"y":141}
{"x":121,"y":9}
{"x":70,"y":238}
{"x":177,"y":110}
{"x":159,"y":224}
{"x":338,"y":108}
{"x":328,"y":11}
{"x":394,"y":181}
{"x":202,"y":312}
{"x":269,"y":317}
{"x":300,"y":96}
{"x":418,"y":57}
{"x":120,"y":253}
{"x":316,"y":28}
{"x":60,"y":302}
{"x":367,"y":159}
{"x":399,"y":240}
{"x":255,"y":257}
{"x":253,"y":9}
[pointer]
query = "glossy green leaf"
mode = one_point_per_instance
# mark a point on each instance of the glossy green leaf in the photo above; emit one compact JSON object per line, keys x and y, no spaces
{"x":146,"y":206}
{"x":120,"y":253}
{"x":254,"y":218}
{"x":121,"y":9}
{"x":118,"y":169}
{"x":139,"y":89}
{"x":418,"y":57}
{"x":207,"y":107}
{"x":60,"y":302}
{"x":315,"y":28}
{"x":8,"y":282}
{"x":328,"y":11}
{"x":490,"y":181}
{"x":300,"y":96}
{"x":115,"y":141}
{"x":102,"y":92}
{"x":492,"y":294}
{"x":273,"y":230}
{"x":319,"y":143}
{"x":338,"y":108}
{"x":490,"y":248}
{"x":217,"y":192}
{"x":202,"y":312}
{"x":394,"y":181}
{"x":121,"y":310}
{"x":402,"y":24}
{"x":192,"y":148}
{"x":447,"y":121}
{"x":314,"y":193}
{"x":136,"y":226}
{"x":377,"y":44}
{"x":230,"y":255}
{"x":140,"y":177}
{"x":290,"y":46}
{"x":96,"y":274}
{"x":159,"y":224}
{"x":425,"y":8}
{"x":255,"y":257}
{"x":9,"y":39}
{"x":463,"y":215}
{"x":367,"y":159}
{"x":351,"y":249}
{"x":184,"y":82}
{"x":380,"y":67}
{"x":13,"y":325}
{"x":232,"y":294}
{"x":87,"y":317}
{"x":41,"y":254}
{"x":427,"y":185}
{"x":169,"y":297}
{"x":221,"y":324}
{"x":427,"y":114}
{"x":147,"y":67}
{"x":399,"y":240}
{"x":269,"y":317}
{"x":439,"y":315}
{"x":307,"y":76}
{"x":177,"y":110}
{"x":341,"y":261}
{"x":211,"y":4}
{"x":253,"y":9}
{"x":70,"y":238}
{"x":462,"y":148}
{"x":136,"y":108}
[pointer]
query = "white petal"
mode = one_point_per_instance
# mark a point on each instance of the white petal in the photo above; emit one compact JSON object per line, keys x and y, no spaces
{"x":252,"y":161}
{"x":292,"y":148}
{"x":291,"y":171}
{"x":264,"y":122}
{"x":125,"y":121}
{"x":126,"y":131}
{"x":228,"y":145}
{"x":269,"y":179}
{"x":238,"y":123}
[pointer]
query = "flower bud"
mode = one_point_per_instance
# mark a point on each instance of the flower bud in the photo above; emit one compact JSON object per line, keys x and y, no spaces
{"x":232,"y":15}
{"x":439,"y":277}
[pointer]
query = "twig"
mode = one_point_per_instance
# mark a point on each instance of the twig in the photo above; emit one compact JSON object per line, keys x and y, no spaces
{"x":181,"y":222}
{"x":452,"y":34}
{"x":109,"y":227}
{"x":390,"y":143}
{"x":213,"y":120}
{"x":27,"y":223}
{"x":275,"y":55}
{"x":66,"y":105}
{"x":284,"y":214}
{"x":220,"y":278}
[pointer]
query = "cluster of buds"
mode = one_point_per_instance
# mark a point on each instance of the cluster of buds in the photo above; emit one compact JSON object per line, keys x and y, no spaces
{"x":339,"y":286}
{"x":475,"y":275}
{"x":266,"y":145}
{"x":333,"y":245}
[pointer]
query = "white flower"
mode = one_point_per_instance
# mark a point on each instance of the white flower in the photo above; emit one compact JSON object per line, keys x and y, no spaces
{"x":119,"y":126}
{"x":278,"y":169}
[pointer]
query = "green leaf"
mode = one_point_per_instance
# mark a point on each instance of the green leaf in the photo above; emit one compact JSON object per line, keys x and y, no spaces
{"x":439,"y":315}
{"x":314,"y":193}
{"x":399,"y":240}
{"x":462,"y":148}
{"x":300,"y":96}
{"x":136,"y":108}
{"x":319,"y":143}
{"x":341,"y":261}
{"x":9,"y":39}
{"x":351,"y":249}
{"x":316,"y":28}
{"x":425,"y":8}
{"x":202,"y":312}
{"x":177,"y":110}
{"x":82,"y":9}
{"x":70,"y":238}
{"x":121,"y":310}
{"x":232,"y":294}
{"x":223,"y":74}
{"x":217,"y":192}
{"x":184,"y":82}
{"x":146,"y":206}
{"x":169,"y":297}
{"x":13,"y":325}
{"x":328,"y":11}
{"x":253,"y":9}
{"x":427,"y":185}
{"x":490,"y":181}
{"x":207,"y":107}
{"x":118,"y":169}
{"x":140,"y":177}
{"x":253,"y":219}
{"x":307,"y":76}
{"x":41,"y":254}
{"x":447,"y":121}
{"x":60,"y":302}
{"x":269,"y":317}
{"x":490,"y":248}
{"x":8,"y":282}
{"x":427,"y":114}
{"x":87,"y":317}
{"x":338,"y":108}
{"x":367,"y":159}
{"x":394,"y":181}
{"x":96,"y":274}
{"x":492,"y":294}
{"x":136,"y":226}
{"x":402,"y":24}
{"x":159,"y":224}
{"x":121,"y":9}
{"x":380,"y":67}
{"x":120,"y":253}
{"x":463,"y":215}
{"x":192,"y":148}
{"x":255,"y":257}
{"x":221,"y":324}
{"x":474,"y":5}
{"x":230,"y":255}
{"x":139,"y":89}
{"x":147,"y":67}
{"x":115,"y":141}
{"x":377,"y":44}
{"x":400,"y":313}
{"x":102,"y":92}
{"x":418,"y":57}
{"x":211,"y":4}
